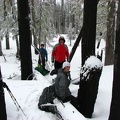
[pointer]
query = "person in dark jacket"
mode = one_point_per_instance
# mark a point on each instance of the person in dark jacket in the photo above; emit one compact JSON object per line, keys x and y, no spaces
{"x":60,"y":53}
{"x":62,"y":83}
{"x":43,"y":56}
{"x":60,"y":89}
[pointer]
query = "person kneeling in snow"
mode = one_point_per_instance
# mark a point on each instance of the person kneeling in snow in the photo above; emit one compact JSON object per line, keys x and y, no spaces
{"x":60,"y":89}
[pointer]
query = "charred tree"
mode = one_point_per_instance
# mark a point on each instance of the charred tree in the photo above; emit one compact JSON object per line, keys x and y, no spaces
{"x":115,"y":103}
{"x":75,"y":45}
{"x":3,"y":115}
{"x":88,"y":87}
{"x":25,"y":40}
{"x":89,"y":29}
{"x":110,"y":38}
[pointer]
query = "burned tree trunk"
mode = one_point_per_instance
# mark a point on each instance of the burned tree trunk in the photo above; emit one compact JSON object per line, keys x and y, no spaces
{"x":25,"y":40}
{"x":88,"y":87}
{"x":115,"y":101}
{"x":89,"y":29}
{"x":3,"y":115}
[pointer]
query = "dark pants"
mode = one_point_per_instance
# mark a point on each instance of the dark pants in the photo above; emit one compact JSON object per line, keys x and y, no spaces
{"x":42,"y":63}
{"x":58,"y":65}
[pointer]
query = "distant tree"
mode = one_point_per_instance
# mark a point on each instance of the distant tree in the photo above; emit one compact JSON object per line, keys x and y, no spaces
{"x":71,"y":34}
{"x":102,"y":13}
{"x":115,"y":102}
{"x":110,"y":37}
{"x":34,"y":23}
{"x":0,"y":47}
{"x":62,"y":22}
{"x":7,"y":33}
{"x":74,"y":14}
{"x":25,"y":40}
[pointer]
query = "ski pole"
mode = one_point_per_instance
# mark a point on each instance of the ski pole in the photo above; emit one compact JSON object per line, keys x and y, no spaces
{"x":38,"y":52}
{"x":61,"y":102}
{"x":36,"y":48}
{"x":4,"y":57}
{"x":13,"y":98}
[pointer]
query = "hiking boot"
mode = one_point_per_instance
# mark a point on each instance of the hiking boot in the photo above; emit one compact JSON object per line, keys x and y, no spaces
{"x":48,"y":108}
{"x":54,"y":71}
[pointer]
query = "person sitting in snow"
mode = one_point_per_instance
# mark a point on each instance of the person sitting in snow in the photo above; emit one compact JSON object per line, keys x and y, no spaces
{"x":62,"y":83}
{"x":60,"y":89}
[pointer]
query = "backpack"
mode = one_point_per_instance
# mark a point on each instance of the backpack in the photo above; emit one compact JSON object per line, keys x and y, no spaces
{"x":48,"y":95}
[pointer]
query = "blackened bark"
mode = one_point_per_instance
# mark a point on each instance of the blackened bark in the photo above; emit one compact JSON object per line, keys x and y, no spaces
{"x":115,"y":103}
{"x":75,"y":45}
{"x":88,"y":89}
{"x":3,"y":115}
{"x":89,"y":29}
{"x":25,"y":40}
{"x":1,"y":48}
{"x":110,"y":38}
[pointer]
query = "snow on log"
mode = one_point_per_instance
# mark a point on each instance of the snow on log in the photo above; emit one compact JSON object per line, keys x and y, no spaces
{"x":69,"y":112}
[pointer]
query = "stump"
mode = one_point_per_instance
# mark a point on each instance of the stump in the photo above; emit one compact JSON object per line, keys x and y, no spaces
{"x":88,"y":87}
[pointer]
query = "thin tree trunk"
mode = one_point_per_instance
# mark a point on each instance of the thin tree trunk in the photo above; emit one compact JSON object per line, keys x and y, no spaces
{"x":62,"y":17}
{"x":34,"y":24}
{"x":40,"y":25}
{"x":0,"y":48}
{"x":7,"y":34}
{"x":18,"y":47}
{"x":7,"y":41}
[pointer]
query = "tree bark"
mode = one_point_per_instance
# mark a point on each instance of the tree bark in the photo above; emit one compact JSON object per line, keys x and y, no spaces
{"x":115,"y":102}
{"x":89,"y":29}
{"x":3,"y":115}
{"x":7,"y":34}
{"x":25,"y":40}
{"x":88,"y":88}
{"x":1,"y":47}
{"x":7,"y":41}
{"x":62,"y":24}
{"x":18,"y":47}
{"x":110,"y":38}
{"x":75,"y":45}
{"x":34,"y":25}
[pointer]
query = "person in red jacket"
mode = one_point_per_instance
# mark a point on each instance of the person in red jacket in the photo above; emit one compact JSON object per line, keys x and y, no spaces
{"x":60,"y":53}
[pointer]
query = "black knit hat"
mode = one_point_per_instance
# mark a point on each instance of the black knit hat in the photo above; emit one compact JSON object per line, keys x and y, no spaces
{"x":42,"y":44}
{"x":61,"y":38}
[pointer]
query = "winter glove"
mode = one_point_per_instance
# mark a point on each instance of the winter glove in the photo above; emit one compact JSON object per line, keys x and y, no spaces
{"x":52,"y":61}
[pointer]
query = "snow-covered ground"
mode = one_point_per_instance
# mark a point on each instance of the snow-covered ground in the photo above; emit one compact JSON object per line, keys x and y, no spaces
{"x":27,"y":93}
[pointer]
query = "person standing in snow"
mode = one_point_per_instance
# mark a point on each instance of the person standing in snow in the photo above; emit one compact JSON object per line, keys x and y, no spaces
{"x":60,"y":53}
{"x":43,"y":56}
